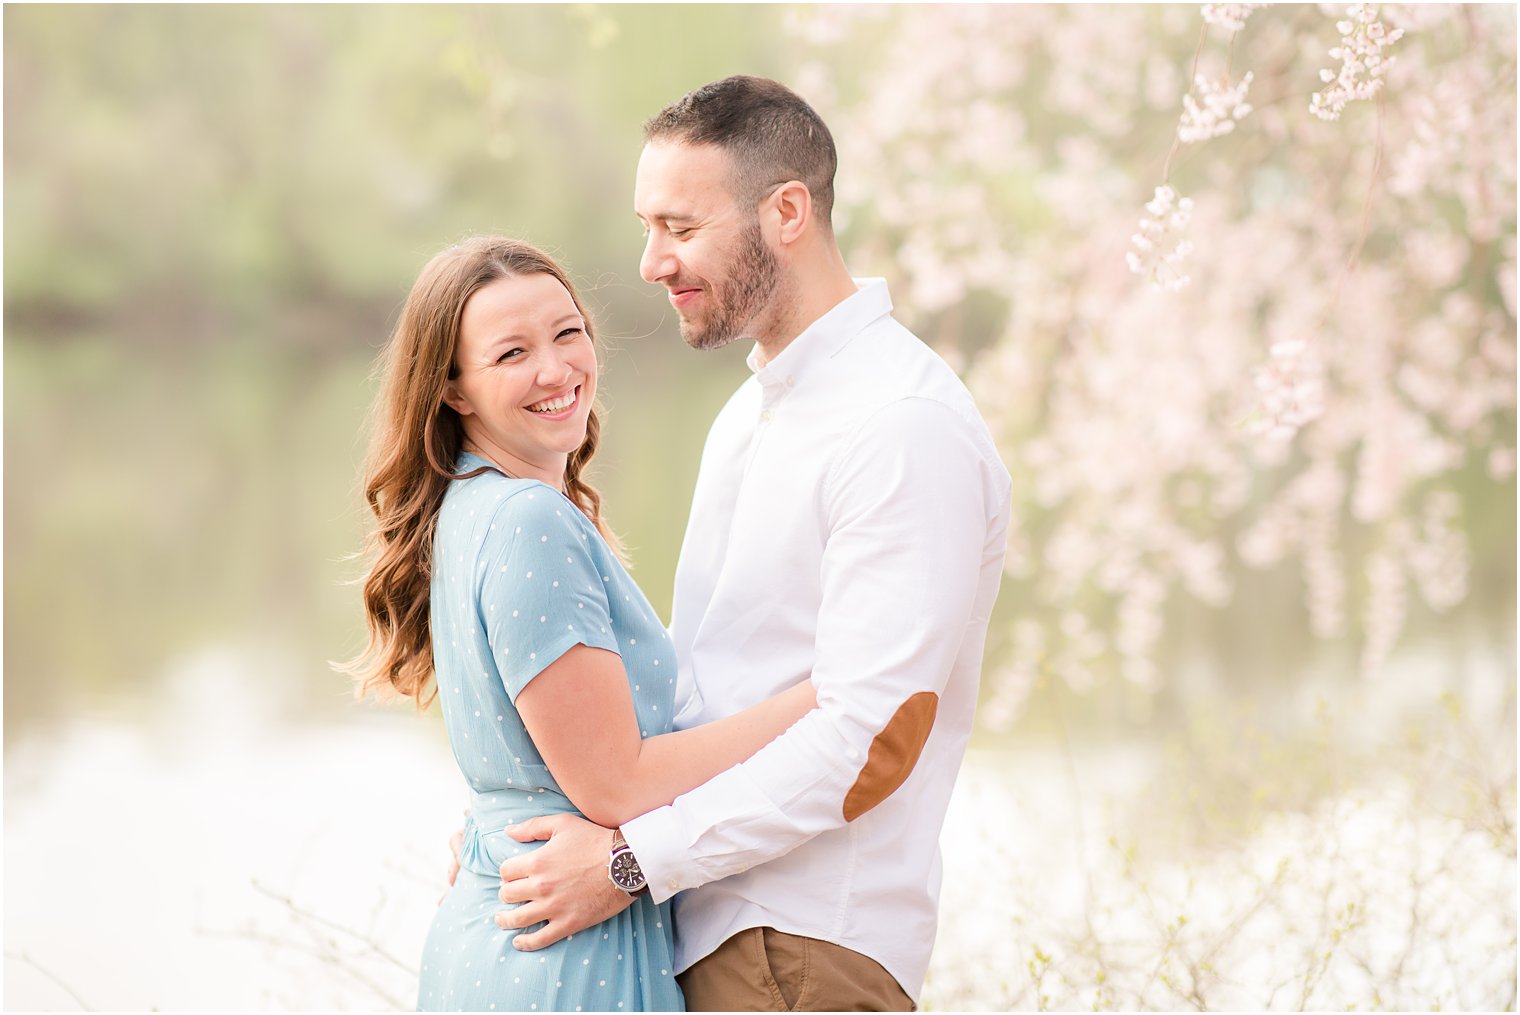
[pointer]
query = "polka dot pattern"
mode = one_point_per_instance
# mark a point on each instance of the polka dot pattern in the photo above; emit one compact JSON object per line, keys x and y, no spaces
{"x":520,"y":577}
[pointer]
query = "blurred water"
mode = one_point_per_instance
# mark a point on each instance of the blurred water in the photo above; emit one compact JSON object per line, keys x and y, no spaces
{"x":144,"y":859}
{"x":214,"y":855}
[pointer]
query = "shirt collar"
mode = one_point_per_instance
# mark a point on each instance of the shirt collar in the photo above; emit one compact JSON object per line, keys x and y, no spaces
{"x":825,"y":336}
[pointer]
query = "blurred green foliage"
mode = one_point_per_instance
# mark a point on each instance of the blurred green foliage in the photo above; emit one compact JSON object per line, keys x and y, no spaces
{"x":213,"y":216}
{"x":226,"y":169}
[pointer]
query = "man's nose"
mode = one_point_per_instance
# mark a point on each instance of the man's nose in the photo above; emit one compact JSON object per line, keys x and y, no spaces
{"x":657,"y":262}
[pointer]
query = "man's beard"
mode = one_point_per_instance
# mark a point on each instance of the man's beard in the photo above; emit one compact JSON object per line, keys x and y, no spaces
{"x":748,"y":289}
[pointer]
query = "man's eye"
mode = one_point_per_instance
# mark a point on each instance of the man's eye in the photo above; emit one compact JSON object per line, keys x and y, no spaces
{"x":676,"y":234}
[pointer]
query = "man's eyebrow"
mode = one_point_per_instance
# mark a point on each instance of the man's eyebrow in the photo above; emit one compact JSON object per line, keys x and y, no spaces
{"x":664,"y":216}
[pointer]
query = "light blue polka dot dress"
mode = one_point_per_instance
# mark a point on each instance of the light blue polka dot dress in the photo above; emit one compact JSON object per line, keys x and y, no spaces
{"x":519,"y":576}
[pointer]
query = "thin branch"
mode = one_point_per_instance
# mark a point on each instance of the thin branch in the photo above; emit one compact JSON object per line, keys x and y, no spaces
{"x":1166,"y":167}
{"x":57,"y":980}
{"x":317,"y":918}
{"x":326,"y":952}
{"x":1365,"y":225}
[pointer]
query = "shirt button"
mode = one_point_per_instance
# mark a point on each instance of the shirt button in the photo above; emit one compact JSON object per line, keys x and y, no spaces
{"x":765,"y":417}
{"x":790,"y":380}
{"x":672,"y":884}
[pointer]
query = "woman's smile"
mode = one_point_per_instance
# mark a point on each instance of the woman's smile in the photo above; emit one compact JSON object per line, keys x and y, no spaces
{"x":556,"y":407}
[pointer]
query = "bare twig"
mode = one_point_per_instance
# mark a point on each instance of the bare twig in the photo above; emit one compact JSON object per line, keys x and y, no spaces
{"x":1364,"y":227}
{"x":1166,"y":167}
{"x":349,"y":932}
{"x":53,"y":977}
{"x":326,"y":951}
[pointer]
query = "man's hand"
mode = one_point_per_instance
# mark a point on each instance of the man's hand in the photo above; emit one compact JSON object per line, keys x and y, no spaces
{"x":563,"y":882}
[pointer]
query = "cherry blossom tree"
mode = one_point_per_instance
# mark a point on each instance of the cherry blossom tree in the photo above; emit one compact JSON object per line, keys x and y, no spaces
{"x":1303,"y":356}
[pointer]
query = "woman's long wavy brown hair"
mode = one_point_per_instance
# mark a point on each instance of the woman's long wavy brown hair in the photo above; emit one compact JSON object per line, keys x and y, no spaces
{"x":415,"y":440}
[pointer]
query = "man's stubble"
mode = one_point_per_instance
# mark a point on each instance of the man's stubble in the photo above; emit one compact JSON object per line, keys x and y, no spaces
{"x":747,"y":299}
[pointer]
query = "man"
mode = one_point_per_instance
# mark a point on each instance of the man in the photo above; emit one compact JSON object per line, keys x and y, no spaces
{"x":848,"y":525}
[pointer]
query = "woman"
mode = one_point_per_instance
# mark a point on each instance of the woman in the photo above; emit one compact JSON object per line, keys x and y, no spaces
{"x":496,"y":588}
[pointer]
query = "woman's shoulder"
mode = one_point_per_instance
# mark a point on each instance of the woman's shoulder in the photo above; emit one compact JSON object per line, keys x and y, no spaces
{"x":490,"y":490}
{"x":500,"y":500}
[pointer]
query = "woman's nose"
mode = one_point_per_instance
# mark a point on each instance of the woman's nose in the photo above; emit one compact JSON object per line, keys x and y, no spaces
{"x":555,"y":369}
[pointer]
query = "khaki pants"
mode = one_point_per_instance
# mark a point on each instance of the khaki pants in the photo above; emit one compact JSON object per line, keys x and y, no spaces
{"x":762,"y":969}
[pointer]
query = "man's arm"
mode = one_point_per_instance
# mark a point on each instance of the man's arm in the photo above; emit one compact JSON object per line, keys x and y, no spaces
{"x":907,"y":526}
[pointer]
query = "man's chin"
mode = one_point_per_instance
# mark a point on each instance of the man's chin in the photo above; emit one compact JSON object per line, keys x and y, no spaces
{"x":704,"y":338}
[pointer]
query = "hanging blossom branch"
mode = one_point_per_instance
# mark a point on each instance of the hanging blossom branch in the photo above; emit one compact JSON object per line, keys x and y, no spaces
{"x":1210,"y":110}
{"x":1363,"y":40}
{"x":1159,"y":246}
{"x":1214,"y":113}
{"x":1231,"y":17}
{"x":1291,"y":384}
{"x":1291,"y":388}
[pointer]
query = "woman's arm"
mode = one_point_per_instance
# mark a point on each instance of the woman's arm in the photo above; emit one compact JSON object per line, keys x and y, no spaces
{"x":579,"y":712}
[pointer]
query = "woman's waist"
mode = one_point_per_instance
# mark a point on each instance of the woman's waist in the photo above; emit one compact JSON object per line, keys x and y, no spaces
{"x":486,"y":844}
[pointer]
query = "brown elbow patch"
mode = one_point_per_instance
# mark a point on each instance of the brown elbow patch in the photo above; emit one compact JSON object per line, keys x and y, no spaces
{"x":893,"y":754}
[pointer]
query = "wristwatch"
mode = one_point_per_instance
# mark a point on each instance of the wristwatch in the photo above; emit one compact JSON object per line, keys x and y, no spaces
{"x":623,"y":867}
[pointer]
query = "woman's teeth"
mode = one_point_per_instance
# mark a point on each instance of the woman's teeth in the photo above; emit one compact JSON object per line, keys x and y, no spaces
{"x":554,"y":404}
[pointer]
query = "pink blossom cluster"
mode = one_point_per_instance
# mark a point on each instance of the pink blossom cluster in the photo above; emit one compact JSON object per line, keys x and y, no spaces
{"x":1230,"y":17}
{"x":1216,"y":109}
{"x":1159,"y":246}
{"x":1291,"y":387}
{"x":1293,"y":410}
{"x":1363,"y":62}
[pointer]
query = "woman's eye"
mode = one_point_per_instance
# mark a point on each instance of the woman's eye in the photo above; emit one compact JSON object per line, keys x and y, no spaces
{"x":568,"y":331}
{"x":509,"y":354}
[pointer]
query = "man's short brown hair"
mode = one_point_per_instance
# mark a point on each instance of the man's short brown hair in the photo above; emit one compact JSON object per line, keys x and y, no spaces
{"x":768,"y":130}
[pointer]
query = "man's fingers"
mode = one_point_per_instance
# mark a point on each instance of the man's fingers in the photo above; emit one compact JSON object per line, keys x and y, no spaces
{"x":515,"y":868}
{"x":542,"y":827}
{"x":520,"y":917}
{"x":519,"y":890}
{"x":526,"y":831}
{"x":541,"y":938}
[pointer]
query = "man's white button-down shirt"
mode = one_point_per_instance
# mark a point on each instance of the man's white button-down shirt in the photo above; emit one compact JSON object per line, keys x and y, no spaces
{"x":849,"y":525}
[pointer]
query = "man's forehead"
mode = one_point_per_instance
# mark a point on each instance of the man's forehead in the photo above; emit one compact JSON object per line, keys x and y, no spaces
{"x":660,"y":153}
{"x":674,"y":173}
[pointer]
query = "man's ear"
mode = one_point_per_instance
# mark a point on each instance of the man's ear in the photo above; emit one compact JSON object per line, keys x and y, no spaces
{"x":454,"y":399}
{"x":794,"y":210}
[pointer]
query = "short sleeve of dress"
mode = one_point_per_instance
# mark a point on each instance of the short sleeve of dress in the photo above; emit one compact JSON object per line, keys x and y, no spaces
{"x":541,"y":590}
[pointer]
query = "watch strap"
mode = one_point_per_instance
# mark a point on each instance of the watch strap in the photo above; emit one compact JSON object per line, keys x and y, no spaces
{"x":620,"y":845}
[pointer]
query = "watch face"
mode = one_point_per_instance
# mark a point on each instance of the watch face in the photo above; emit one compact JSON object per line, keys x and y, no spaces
{"x":625,"y":872}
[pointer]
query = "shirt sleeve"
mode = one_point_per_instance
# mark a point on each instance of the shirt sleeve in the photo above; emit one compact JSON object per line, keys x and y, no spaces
{"x":906,"y":507}
{"x":541,"y":591}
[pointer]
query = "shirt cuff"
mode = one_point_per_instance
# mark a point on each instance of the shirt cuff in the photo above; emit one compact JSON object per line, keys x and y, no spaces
{"x":655,"y":838}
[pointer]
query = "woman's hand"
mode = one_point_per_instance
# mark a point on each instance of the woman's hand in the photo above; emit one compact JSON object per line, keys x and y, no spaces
{"x":456,"y":843}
